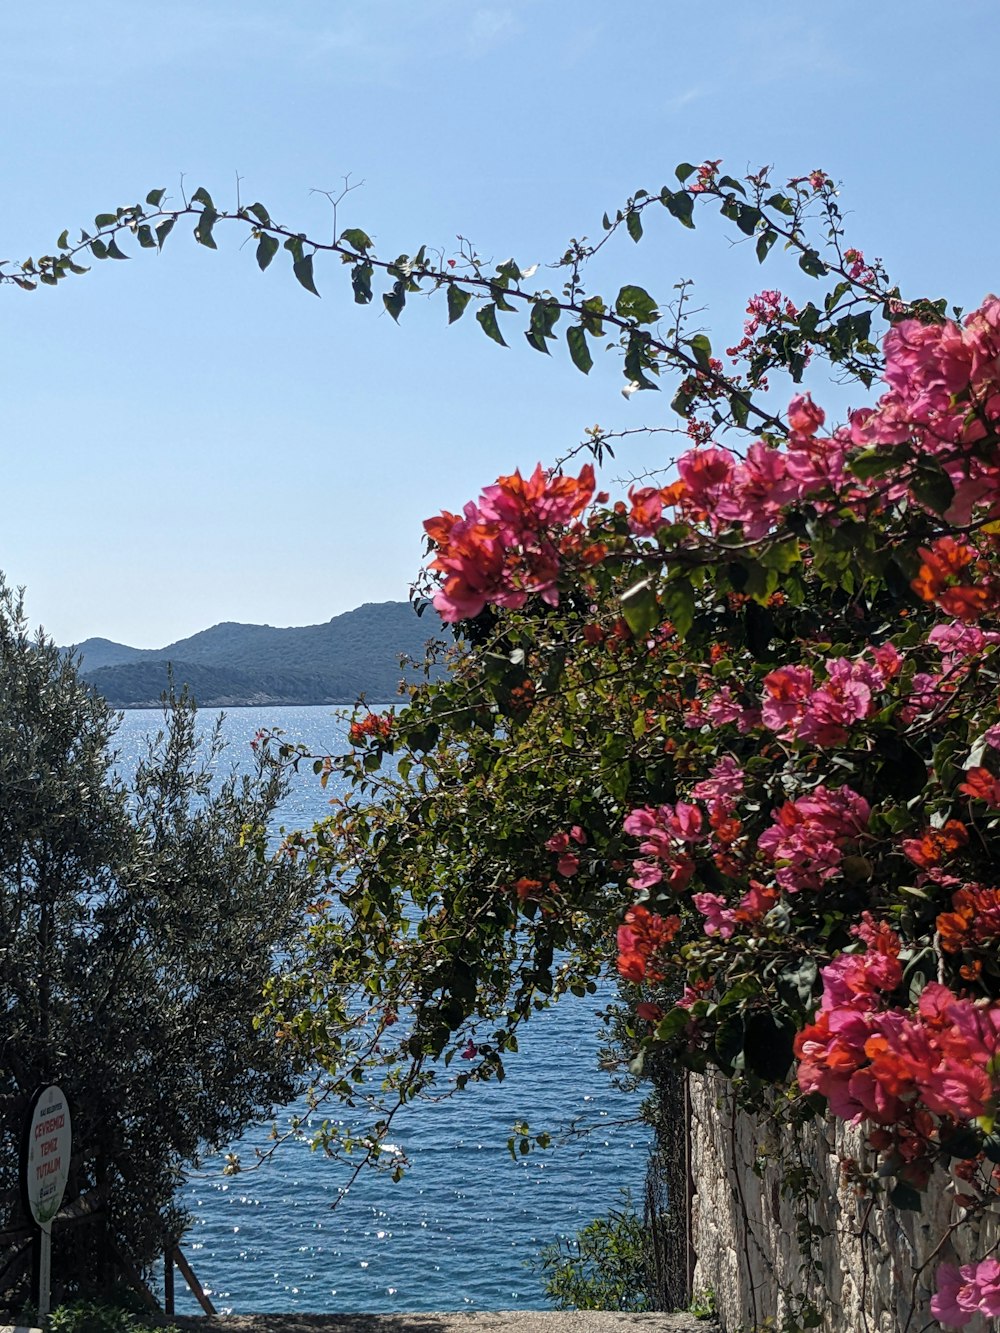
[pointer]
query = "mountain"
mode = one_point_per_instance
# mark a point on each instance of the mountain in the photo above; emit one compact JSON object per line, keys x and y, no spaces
{"x":231,"y":665}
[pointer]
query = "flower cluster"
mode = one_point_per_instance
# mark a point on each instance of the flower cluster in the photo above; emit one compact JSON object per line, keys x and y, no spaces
{"x":906,"y":1071}
{"x":720,"y":490}
{"x":967,"y":1291}
{"x":797,"y":709}
{"x":504,"y":549}
{"x":801,"y":732}
{"x":377,"y":726}
{"x":944,"y":400}
{"x":810,"y":836}
{"x":641,"y":939}
{"x":562,"y":845}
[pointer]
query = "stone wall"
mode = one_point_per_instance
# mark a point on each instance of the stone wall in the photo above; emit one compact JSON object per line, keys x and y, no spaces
{"x":877,"y":1264}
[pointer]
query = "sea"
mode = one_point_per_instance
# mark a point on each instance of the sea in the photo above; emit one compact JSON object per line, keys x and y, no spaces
{"x":463,"y":1229}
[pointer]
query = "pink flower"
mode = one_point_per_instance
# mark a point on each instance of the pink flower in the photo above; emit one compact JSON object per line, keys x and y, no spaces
{"x":760,"y":488}
{"x":725,"y":783}
{"x":809,"y":835}
{"x":804,"y":417}
{"x":646,"y":513}
{"x":719,"y":919}
{"x":723,"y":707}
{"x":502,"y":550}
{"x":888,"y":661}
{"x":707,"y":475}
{"x":966,"y":1291}
{"x":786,"y":690}
{"x":845,"y":698}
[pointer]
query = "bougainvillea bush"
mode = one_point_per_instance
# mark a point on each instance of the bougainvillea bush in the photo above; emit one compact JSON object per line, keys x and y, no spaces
{"x":739,"y":724}
{"x":732,"y":729}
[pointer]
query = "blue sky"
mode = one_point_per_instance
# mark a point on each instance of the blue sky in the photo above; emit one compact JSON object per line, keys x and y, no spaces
{"x":189,"y":440}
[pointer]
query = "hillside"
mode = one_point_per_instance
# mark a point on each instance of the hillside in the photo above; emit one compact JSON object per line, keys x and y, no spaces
{"x":231,"y":665}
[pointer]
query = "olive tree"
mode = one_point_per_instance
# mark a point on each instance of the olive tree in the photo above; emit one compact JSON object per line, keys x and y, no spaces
{"x":138,"y":926}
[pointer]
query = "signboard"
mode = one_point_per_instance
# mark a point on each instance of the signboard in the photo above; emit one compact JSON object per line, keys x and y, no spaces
{"x":47,"y":1158}
{"x":46,"y":1168}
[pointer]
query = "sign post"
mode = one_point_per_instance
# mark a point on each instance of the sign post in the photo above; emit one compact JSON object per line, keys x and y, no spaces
{"x":46,"y":1169}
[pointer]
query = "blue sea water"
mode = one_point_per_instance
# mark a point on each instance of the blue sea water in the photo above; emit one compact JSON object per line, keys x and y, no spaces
{"x":459,"y":1230}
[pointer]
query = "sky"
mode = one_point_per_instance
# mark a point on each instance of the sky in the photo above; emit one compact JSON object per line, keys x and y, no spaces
{"x":191,"y":441}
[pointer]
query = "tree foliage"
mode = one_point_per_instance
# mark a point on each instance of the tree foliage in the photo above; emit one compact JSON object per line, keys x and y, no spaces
{"x":605,"y":1266}
{"x":139,"y":926}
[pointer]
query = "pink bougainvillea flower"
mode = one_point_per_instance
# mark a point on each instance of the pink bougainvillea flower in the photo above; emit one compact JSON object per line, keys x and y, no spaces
{"x":808,"y":837}
{"x":967,"y":1291}
{"x":804,"y":417}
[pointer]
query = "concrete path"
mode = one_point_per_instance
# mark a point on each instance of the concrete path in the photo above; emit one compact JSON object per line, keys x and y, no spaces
{"x":515,"y":1321}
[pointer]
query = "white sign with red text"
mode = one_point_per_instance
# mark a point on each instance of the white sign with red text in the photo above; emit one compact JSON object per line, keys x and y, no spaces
{"x":47,"y":1165}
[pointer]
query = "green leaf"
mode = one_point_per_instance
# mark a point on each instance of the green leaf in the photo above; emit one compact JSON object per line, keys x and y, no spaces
{"x":361,"y":281}
{"x":739,"y":408}
{"x":267,"y":248}
{"x":145,"y":237}
{"x":810,"y":262}
{"x":260,"y":213}
{"x":356,"y":238}
{"x":576,"y":338}
{"x":702,"y":350}
{"x":764,"y":242}
{"x":797,"y":981}
{"x":606,"y":222}
{"x":395,"y":299}
{"x":636,"y":303}
{"x":98,"y":249}
{"x":202,"y":196}
{"x":164,"y":230}
{"x":684,"y":170}
{"x":105,"y":220}
{"x":641,"y":608}
{"x":933,"y":487}
{"x":782,"y":555}
{"x":678,"y":603}
{"x":962,"y":1141}
{"x":637,"y":361}
{"x":748,"y":219}
{"x":113,"y":250}
{"x":782,"y":204}
{"x":877,"y":462}
{"x":543,"y":316}
{"x":731,"y":183}
{"x":203,"y":231}
{"x":905,"y":1197}
{"x":303,"y":270}
{"x":155,"y":198}
{"x":919,"y":971}
{"x":634,"y":224}
{"x":458,"y":299}
{"x":487,"y":318}
{"x":681,"y":205}
{"x":592,"y":316}
{"x":63,"y":241}
{"x":767,"y":1046}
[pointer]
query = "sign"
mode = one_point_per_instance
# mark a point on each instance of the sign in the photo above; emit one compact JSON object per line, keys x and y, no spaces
{"x":46,"y":1168}
{"x":47,"y":1159}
